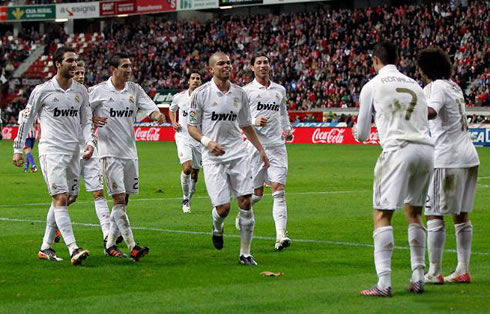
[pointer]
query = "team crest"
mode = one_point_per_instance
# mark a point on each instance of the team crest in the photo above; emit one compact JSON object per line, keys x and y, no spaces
{"x":278,"y":96}
{"x":114,"y":185}
{"x":236,"y":102}
{"x":77,"y":99}
{"x":131,"y":99}
{"x":54,"y":186}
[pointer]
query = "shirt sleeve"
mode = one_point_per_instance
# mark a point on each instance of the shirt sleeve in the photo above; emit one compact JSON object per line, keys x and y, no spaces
{"x":286,"y":124}
{"x":195,"y":110}
{"x":244,"y":118}
{"x":86,"y":120}
{"x":435,"y":97}
{"x":365,"y":113}
{"x":174,"y":106}
{"x":28,"y":122}
{"x":145,"y":105}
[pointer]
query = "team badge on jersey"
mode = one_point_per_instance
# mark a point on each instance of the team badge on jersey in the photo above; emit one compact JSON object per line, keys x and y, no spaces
{"x":114,"y":185}
{"x":77,"y":99}
{"x":131,"y":99}
{"x":236,"y":102}
{"x":278,"y":96}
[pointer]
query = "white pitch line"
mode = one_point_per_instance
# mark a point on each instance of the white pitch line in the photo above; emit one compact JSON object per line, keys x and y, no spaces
{"x":180,"y":198}
{"x":353,"y":244}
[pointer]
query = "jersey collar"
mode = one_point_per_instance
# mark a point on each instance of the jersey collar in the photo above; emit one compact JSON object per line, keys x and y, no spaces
{"x":58,"y":87}
{"x":388,"y":68}
{"x":113,"y":88}
{"x":213,"y":85}
{"x":258,"y":85}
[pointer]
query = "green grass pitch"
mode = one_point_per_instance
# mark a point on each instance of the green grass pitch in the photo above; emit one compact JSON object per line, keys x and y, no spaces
{"x":329,"y":262}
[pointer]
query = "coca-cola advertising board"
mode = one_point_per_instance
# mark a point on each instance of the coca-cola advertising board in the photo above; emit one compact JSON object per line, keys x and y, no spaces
{"x":330,"y":136}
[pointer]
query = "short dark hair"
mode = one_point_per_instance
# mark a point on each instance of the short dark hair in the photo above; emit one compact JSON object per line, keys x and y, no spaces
{"x":435,"y":63}
{"x":60,"y":52}
{"x":115,"y":59}
{"x":81,"y":63}
{"x":386,"y":52}
{"x":258,"y":55}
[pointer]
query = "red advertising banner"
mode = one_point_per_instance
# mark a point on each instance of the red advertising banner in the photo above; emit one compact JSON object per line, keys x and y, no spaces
{"x":108,"y":8}
{"x":300,"y":135}
{"x":153,"y":6}
{"x":3,"y":13}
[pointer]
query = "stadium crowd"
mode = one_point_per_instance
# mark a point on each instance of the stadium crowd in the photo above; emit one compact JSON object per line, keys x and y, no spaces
{"x":321,"y":57}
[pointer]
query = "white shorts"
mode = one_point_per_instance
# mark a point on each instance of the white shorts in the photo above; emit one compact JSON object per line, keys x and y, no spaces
{"x":188,"y":150}
{"x":402,"y":176}
{"x":225,"y":178}
{"x":91,"y":172}
{"x":121,"y":175}
{"x":61,"y":173}
{"x":452,"y":191}
{"x":278,"y":170}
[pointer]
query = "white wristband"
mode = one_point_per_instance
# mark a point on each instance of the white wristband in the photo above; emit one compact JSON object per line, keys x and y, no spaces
{"x":205,"y":141}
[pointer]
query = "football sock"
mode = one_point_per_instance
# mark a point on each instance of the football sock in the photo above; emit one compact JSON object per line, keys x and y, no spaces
{"x":63,"y":222}
{"x":417,"y":237}
{"x":436,"y":238}
{"x":280,"y":213}
{"x":192,"y":188}
{"x":102,"y":211}
{"x":184,"y":181}
{"x":30,"y":160}
{"x":218,"y":222}
{"x":50,"y":230}
{"x":122,"y":221}
{"x":255,"y":199}
{"x":383,"y":249}
{"x":464,"y":234}
{"x":247,"y":224}
{"x":113,"y":232}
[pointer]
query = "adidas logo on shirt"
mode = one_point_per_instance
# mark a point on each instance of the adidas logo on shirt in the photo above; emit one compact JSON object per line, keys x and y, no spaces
{"x":121,"y":113}
{"x":273,"y":106}
{"x":223,"y":116}
{"x":65,"y":112}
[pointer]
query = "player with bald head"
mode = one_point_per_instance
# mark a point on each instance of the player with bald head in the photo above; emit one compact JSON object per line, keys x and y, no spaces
{"x":218,"y":110}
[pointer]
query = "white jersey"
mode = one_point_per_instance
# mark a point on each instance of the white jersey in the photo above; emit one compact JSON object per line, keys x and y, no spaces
{"x":64,"y":116}
{"x":182,"y":103}
{"x":269,"y":102}
{"x":453,"y":145}
{"x":121,"y":108}
{"x":221,"y":115}
{"x":23,"y":114}
{"x":400,"y":110}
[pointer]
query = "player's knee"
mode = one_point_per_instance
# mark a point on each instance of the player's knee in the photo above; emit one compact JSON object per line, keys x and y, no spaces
{"x":259,"y":192}
{"x":244,"y":202}
{"x":194,"y":174}
{"x":119,"y":199}
{"x":461,"y":218}
{"x":71,"y":199}
{"x":186,"y":168}
{"x":255,"y":199}
{"x":223,"y":210}
{"x":98,"y":194}
{"x":60,"y":199}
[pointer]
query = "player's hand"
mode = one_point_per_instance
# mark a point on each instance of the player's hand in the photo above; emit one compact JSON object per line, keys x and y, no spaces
{"x":18,"y":160}
{"x":216,"y":149}
{"x":176,"y":127}
{"x":264,"y":158}
{"x":87,"y":153}
{"x":288,"y":134}
{"x":261,"y":121}
{"x":99,"y":121}
{"x":158,"y":117}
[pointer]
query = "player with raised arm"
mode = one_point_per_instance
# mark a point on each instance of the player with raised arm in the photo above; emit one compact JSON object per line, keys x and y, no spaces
{"x":188,"y":149}
{"x":121,"y":102}
{"x":64,"y":113}
{"x":220,"y":108}
{"x":271,"y":122}
{"x":453,"y":188}
{"x":30,"y":140}
{"x":404,"y":168}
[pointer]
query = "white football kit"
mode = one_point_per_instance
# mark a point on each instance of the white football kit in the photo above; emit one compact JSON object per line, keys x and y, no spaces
{"x":117,"y":141}
{"x":404,"y":168}
{"x":220,"y":116}
{"x":456,"y":161}
{"x":188,"y":149}
{"x":269,"y":102}
{"x":23,"y":114}
{"x":65,"y":117}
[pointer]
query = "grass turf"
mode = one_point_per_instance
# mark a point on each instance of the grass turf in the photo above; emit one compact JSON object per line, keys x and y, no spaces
{"x":329,"y":262}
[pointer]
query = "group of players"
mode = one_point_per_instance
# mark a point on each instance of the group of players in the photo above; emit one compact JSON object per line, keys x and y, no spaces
{"x":415,"y":168}
{"x":67,"y":112}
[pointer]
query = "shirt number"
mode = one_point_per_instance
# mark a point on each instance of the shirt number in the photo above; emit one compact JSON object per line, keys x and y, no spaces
{"x":413,"y":101}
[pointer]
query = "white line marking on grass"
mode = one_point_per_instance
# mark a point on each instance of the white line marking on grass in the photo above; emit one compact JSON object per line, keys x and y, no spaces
{"x":180,"y":198}
{"x":482,"y":178}
{"x":353,"y":244}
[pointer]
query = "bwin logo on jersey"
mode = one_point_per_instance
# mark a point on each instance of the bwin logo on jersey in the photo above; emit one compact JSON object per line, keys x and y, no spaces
{"x":121,"y":113}
{"x":273,"y":106}
{"x":72,"y":112}
{"x":223,"y":116}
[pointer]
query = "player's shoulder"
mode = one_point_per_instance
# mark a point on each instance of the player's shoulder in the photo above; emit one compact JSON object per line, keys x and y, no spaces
{"x":98,"y":87}
{"x":237,"y":89}
{"x":249,"y":86}
{"x":277,"y":86}
{"x":204,"y":88}
{"x":79,"y":87}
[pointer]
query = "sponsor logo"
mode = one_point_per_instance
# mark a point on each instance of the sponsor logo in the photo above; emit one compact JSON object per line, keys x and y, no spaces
{"x":272,"y":107}
{"x":373,"y":138}
{"x":184,"y":113}
{"x":150,"y":135}
{"x":121,"y":113}
{"x":193,"y":115}
{"x":131,"y":99}
{"x":223,"y":116}
{"x":72,"y":112}
{"x":333,"y":136}
{"x":77,"y":99}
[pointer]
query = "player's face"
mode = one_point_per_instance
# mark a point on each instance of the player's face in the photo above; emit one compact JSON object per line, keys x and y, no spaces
{"x":194,"y":81}
{"x":79,"y":74}
{"x":261,"y":68}
{"x":221,"y":69}
{"x":66,"y":68}
{"x":124,"y":70}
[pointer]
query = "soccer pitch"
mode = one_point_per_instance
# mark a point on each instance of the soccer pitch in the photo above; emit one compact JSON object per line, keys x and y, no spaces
{"x":329,"y":262}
